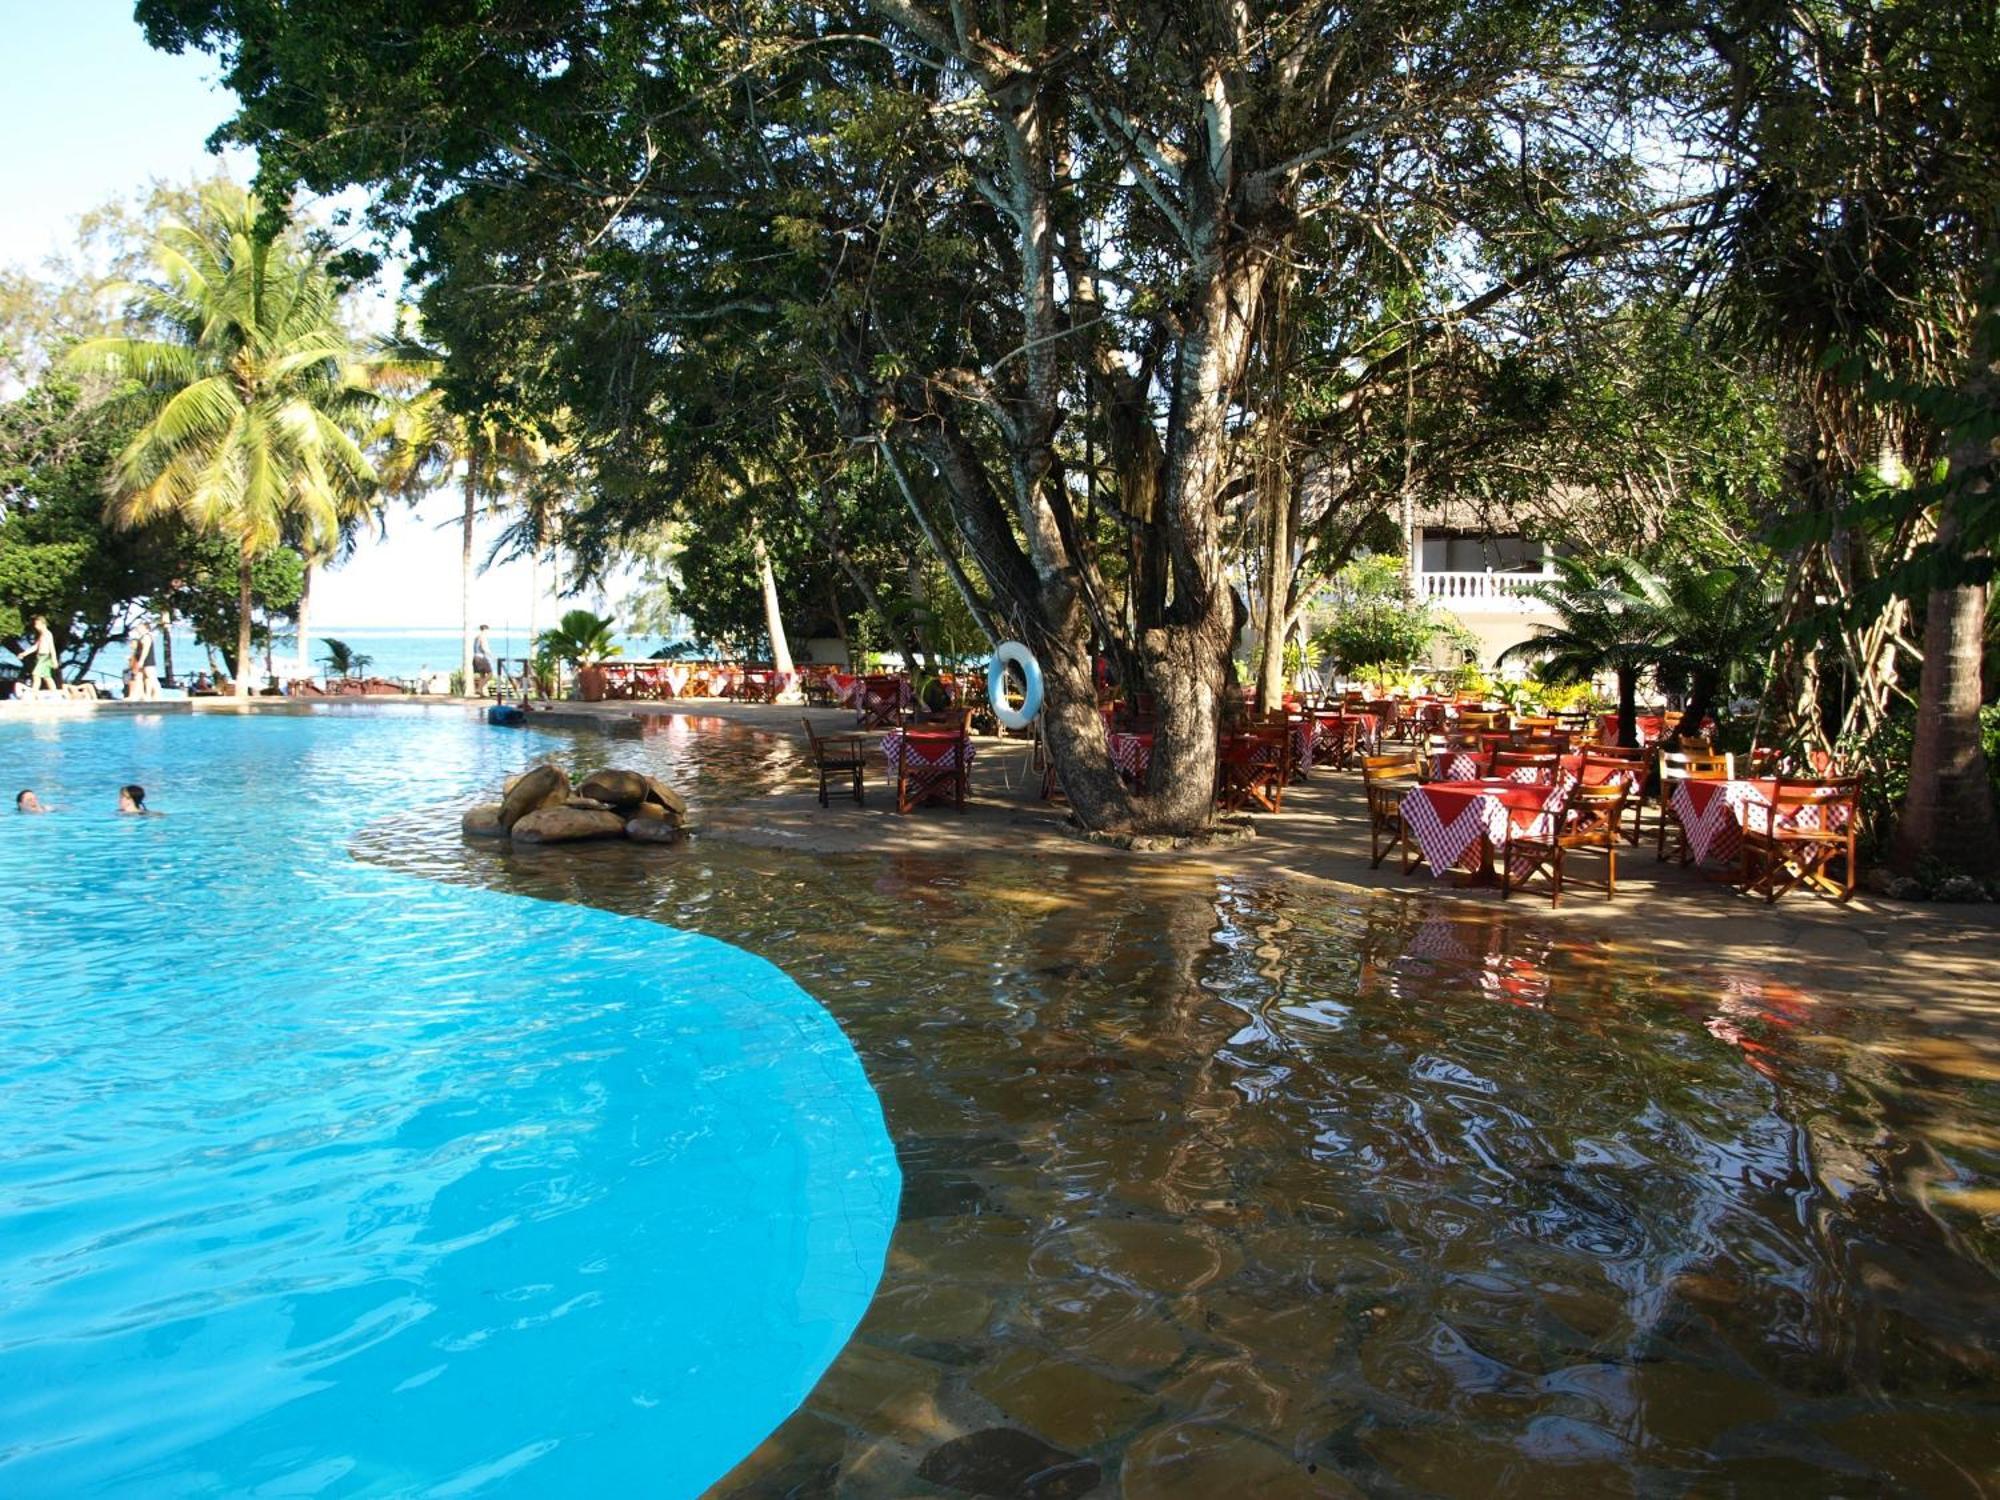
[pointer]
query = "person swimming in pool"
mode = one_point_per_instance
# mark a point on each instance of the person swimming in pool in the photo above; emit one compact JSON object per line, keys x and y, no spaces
{"x":132,"y":802}
{"x":25,"y":801}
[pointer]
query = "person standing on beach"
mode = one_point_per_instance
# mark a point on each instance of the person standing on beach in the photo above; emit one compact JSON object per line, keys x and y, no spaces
{"x":482,"y":663}
{"x":140,"y":671}
{"x":43,"y":673}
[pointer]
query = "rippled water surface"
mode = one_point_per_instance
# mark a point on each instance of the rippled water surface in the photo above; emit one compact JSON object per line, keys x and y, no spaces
{"x":1219,"y":1186}
{"x":316,"y":1177}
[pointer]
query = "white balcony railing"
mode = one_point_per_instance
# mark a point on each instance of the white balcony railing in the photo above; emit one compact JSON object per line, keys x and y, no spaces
{"x":1498,"y":592}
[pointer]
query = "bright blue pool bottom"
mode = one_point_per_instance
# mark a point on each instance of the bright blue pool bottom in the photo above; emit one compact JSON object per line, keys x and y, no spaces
{"x":316,"y":1179}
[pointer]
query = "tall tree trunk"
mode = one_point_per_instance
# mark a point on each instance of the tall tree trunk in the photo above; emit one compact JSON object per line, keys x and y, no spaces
{"x":1628,"y":705}
{"x":1277,"y":598}
{"x":167,"y":646}
{"x":774,"y":621}
{"x":305,"y":668}
{"x":244,"y":563}
{"x":465,"y":684}
{"x":1948,"y":815}
{"x":1703,"y":689}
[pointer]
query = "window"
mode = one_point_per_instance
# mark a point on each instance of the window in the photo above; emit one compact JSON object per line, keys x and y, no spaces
{"x":1481,"y":552}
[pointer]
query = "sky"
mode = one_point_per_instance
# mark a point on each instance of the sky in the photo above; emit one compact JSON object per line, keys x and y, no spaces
{"x":147,"y":116}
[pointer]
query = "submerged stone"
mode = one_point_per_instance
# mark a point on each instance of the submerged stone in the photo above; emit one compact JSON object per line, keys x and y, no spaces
{"x":567,"y":825}
{"x":483,"y":821}
{"x":1005,"y":1461}
{"x":651,"y":830}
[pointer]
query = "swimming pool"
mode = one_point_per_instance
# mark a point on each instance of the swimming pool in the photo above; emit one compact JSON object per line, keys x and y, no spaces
{"x":324,"y":1179}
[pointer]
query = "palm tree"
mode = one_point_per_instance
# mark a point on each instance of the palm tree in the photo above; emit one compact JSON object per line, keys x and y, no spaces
{"x":1715,"y":626}
{"x":581,"y":639}
{"x":342,"y":660}
{"x":250,"y":396}
{"x":1609,"y":620}
{"x":422,"y":443}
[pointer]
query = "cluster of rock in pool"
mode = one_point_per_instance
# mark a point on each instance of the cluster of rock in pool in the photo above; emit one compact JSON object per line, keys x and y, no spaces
{"x":541,"y":807}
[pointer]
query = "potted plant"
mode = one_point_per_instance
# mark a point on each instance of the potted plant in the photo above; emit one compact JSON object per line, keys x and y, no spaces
{"x":582,"y":641}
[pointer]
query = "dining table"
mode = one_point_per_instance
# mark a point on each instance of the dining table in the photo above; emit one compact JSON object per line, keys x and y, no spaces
{"x":1459,"y":824}
{"x":1713,"y":810}
{"x":1131,"y":754}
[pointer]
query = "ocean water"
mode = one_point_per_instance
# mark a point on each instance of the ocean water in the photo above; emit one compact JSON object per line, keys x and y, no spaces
{"x":395,"y":653}
{"x":318,"y":1178}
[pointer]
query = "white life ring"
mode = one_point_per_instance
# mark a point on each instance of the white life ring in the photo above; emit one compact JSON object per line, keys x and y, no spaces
{"x":996,"y":685}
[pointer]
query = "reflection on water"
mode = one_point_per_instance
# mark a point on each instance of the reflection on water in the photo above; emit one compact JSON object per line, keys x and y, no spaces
{"x":1222,"y":1176}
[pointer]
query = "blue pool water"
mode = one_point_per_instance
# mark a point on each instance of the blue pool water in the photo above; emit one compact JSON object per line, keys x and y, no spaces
{"x":316,"y":1179}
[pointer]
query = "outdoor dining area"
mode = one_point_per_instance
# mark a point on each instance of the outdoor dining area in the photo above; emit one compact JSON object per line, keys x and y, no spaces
{"x":661,"y":681}
{"x":1507,"y":802}
{"x":1466,"y":789}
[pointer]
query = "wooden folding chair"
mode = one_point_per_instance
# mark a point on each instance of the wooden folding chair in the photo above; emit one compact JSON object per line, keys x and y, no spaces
{"x":835,"y":758}
{"x":1509,"y":764}
{"x":1629,"y":772}
{"x":1385,"y":779}
{"x":881,"y":702}
{"x":917,"y":784}
{"x":1250,"y":768}
{"x":1589,"y":819}
{"x":1798,"y":837}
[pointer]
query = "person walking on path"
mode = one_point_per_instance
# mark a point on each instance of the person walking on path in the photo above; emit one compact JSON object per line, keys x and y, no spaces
{"x":482,"y":663}
{"x":44,"y":652}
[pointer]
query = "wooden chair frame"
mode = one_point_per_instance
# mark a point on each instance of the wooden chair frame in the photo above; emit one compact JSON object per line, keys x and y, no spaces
{"x":881,"y":702}
{"x":835,"y":757}
{"x":1781,"y":856}
{"x":1505,"y":761}
{"x":1386,"y":779}
{"x":1252,"y":778}
{"x":1589,"y":819}
{"x":918,"y":785}
{"x":1635,"y":796}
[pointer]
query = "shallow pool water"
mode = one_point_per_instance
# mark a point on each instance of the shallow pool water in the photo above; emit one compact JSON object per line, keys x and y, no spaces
{"x":317,"y":1177}
{"x":1221,"y":1184}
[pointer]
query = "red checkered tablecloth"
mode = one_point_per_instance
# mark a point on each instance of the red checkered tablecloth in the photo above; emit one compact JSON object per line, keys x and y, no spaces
{"x":1132,"y":754}
{"x":925,"y":750}
{"x":1458,"y":765}
{"x":1457,"y":824}
{"x":1714,"y":813}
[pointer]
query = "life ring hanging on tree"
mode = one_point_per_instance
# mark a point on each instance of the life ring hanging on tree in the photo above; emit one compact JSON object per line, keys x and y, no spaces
{"x":1015,"y":654}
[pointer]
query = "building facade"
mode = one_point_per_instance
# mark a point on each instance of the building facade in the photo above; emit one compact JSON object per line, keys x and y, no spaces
{"x":1482,"y":573}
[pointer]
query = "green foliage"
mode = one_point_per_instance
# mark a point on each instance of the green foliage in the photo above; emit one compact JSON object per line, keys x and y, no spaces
{"x":342,"y":660}
{"x":1373,"y":621}
{"x":248,"y":396}
{"x":580,"y":639}
{"x":1882,"y":761}
{"x":57,"y":558}
{"x":204,"y":593}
